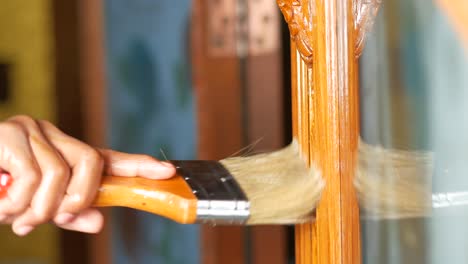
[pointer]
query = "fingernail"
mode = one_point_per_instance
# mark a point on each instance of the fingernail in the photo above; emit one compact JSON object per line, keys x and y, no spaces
{"x":63,"y":218}
{"x":167,"y":164}
{"x":22,"y":230}
{"x":3,"y":217}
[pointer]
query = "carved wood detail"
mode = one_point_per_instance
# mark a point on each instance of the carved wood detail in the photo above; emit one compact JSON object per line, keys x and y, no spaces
{"x":298,"y":15}
{"x":365,"y":12}
{"x":300,"y":25}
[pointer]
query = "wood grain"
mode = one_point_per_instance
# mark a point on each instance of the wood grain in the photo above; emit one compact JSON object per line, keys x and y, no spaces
{"x":170,"y":198}
{"x":325,"y":116}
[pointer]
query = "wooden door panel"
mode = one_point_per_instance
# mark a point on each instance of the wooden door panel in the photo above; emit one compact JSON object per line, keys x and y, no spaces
{"x":239,"y":101}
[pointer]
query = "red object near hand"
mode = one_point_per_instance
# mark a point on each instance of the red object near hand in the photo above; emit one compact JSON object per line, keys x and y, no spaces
{"x":5,"y":182}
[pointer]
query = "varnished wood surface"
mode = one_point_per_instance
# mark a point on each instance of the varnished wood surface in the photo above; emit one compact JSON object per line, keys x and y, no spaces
{"x":325,"y":116}
{"x":171,"y":198}
{"x":349,"y":140}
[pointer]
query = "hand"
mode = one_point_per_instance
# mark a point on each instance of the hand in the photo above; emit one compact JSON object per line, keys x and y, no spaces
{"x":56,"y":177}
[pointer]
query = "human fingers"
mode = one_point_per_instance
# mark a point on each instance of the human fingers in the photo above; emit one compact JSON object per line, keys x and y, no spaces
{"x":87,"y":221}
{"x":55,"y":176}
{"x":17,"y":158}
{"x":130,"y":165}
{"x":86,"y":166}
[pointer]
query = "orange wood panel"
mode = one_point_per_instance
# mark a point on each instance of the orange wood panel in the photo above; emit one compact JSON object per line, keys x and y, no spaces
{"x":325,"y":116}
{"x":349,"y":136}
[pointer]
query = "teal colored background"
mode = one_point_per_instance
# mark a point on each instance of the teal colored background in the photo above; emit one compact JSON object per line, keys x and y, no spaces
{"x":151,"y":110}
{"x":414,"y":95}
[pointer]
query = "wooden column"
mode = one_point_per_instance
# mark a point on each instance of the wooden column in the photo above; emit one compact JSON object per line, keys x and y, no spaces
{"x":325,"y":122}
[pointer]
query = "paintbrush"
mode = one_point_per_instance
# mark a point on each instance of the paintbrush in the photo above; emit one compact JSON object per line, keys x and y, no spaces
{"x":269,"y":188}
{"x":393,"y":183}
{"x":279,"y":188}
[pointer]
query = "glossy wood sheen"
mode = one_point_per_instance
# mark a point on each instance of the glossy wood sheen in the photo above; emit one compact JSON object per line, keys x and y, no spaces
{"x":349,"y":137}
{"x":170,"y":198}
{"x":325,"y":116}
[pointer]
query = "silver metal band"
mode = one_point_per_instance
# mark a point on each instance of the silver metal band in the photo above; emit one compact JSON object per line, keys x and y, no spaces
{"x":220,"y":198}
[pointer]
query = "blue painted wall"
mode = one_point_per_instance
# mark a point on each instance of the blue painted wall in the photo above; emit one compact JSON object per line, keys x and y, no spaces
{"x":151,"y":108}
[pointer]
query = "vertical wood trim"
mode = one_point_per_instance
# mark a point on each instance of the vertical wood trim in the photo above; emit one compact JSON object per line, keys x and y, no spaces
{"x":93,"y":104}
{"x":325,"y":113}
{"x":265,"y":129}
{"x":219,"y":128}
{"x":350,"y":132}
{"x":92,"y":72}
{"x":237,"y":106}
{"x":73,"y":244}
{"x":269,"y":245}
{"x":67,"y":62}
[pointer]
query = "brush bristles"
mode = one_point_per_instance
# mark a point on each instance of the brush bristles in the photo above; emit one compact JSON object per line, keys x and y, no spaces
{"x":279,"y":185}
{"x":393,"y":183}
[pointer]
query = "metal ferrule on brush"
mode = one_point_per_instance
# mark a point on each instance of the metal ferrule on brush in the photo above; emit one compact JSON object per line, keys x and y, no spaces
{"x":220,"y":198}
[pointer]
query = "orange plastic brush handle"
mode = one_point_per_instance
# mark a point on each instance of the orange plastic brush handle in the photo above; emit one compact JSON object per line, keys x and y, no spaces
{"x":170,"y":198}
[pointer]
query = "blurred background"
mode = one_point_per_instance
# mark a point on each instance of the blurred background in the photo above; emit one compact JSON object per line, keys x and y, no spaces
{"x":414,"y":94}
{"x":176,"y":79}
{"x":203,"y":79}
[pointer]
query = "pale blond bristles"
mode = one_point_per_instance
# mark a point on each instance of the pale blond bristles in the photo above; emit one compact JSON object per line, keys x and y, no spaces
{"x":283,"y":190}
{"x":279,"y":185}
{"x":393,"y":183}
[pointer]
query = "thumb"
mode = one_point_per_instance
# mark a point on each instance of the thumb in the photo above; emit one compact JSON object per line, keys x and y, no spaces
{"x":131,"y":165}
